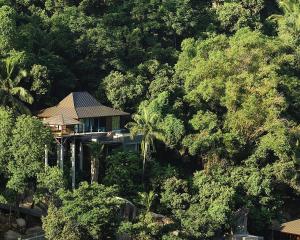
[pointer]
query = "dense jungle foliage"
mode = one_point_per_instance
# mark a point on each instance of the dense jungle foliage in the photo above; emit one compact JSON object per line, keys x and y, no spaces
{"x":214,"y":86}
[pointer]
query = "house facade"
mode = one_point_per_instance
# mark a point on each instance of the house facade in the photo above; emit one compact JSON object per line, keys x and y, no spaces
{"x":286,"y":231}
{"x":79,"y":119}
{"x":92,"y":116}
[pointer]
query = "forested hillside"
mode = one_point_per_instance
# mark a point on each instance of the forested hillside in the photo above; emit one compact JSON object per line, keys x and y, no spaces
{"x":214,"y":86}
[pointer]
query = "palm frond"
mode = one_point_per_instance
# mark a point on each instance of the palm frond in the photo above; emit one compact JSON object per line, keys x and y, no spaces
{"x":134,"y":129}
{"x":17,"y":105}
{"x":13,"y":95}
{"x":146,"y":122}
{"x":276,"y":17}
{"x":9,"y":66}
{"x":23,"y":94}
{"x":22,"y":74}
{"x":289,"y":6}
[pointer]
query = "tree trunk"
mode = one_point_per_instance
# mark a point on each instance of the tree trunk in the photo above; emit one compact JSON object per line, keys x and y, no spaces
{"x":94,"y":169}
{"x":145,"y":158}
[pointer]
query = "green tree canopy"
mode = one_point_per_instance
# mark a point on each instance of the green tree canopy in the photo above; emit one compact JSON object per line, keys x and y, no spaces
{"x":233,"y":86}
{"x":289,"y":22}
{"x":207,"y":207}
{"x":8,"y":28}
{"x":6,"y":127}
{"x":234,"y":15}
{"x":29,"y":138}
{"x":94,"y":208}
{"x":58,"y":226}
{"x":49,"y":182}
{"x":124,"y":170}
{"x":123,"y":90}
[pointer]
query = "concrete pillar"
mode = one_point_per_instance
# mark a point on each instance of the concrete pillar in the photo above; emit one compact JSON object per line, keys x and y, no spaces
{"x":46,"y":156}
{"x":73,"y":170}
{"x":57,"y":154}
{"x":81,"y":156}
{"x":61,"y":156}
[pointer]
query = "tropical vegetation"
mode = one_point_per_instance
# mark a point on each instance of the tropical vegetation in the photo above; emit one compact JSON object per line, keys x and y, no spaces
{"x":213,"y":89}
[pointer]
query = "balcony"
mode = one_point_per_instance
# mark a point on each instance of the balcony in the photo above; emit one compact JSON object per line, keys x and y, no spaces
{"x":114,"y":136}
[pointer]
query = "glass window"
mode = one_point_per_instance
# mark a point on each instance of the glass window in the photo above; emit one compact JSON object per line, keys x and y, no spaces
{"x":102,"y":124}
{"x":86,"y":125}
{"x":115,"y":123}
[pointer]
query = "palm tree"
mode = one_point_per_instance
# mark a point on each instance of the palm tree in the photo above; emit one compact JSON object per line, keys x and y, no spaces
{"x":11,"y":93}
{"x":146,"y":123}
{"x":147,"y":199}
{"x":96,"y":149}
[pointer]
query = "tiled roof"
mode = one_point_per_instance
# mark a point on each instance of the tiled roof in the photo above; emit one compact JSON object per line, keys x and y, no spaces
{"x":98,"y":111}
{"x":292,"y":227}
{"x":79,"y":105}
{"x":61,"y":120}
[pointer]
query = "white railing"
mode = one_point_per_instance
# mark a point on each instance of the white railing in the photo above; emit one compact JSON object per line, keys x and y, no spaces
{"x":37,"y":236}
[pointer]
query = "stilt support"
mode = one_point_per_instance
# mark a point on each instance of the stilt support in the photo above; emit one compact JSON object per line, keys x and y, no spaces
{"x":61,"y":156}
{"x":58,"y":155}
{"x":81,"y":156}
{"x":73,"y":170}
{"x":46,"y":156}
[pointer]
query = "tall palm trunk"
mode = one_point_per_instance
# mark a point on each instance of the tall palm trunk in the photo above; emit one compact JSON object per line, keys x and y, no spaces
{"x":96,"y":153}
{"x":94,"y":169}
{"x":147,"y":150}
{"x":145,"y":156}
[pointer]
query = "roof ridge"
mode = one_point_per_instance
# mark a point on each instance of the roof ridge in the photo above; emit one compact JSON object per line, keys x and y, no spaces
{"x":73,"y":102}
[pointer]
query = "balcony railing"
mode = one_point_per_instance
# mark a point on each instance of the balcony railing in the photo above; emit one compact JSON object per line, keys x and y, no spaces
{"x":67,"y":131}
{"x":120,"y":135}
